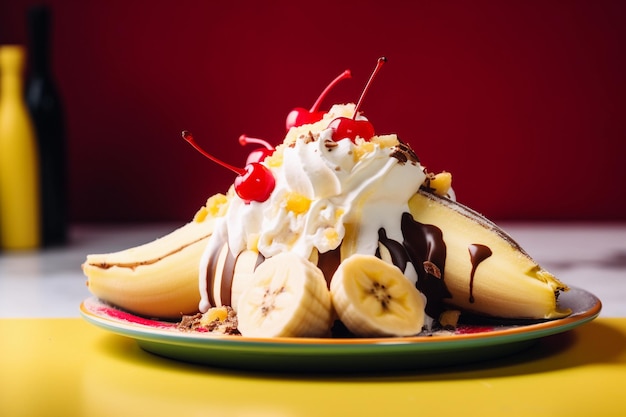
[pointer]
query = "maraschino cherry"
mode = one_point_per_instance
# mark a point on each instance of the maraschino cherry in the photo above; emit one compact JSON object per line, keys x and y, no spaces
{"x":255,"y":182}
{"x":257,"y":155}
{"x":344,"y":127}
{"x":301,"y":116}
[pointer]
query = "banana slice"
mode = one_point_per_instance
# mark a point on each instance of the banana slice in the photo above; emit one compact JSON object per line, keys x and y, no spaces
{"x":373,"y":298}
{"x":287,"y":297}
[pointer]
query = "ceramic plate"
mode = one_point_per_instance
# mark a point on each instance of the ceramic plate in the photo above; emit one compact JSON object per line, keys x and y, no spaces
{"x":469,"y":343}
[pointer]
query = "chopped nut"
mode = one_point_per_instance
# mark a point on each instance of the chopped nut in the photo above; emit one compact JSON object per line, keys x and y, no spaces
{"x":432,"y":269}
{"x":330,"y":144}
{"x":190,"y":323}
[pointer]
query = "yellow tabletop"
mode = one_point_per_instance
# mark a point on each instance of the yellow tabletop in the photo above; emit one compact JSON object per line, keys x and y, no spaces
{"x":67,"y":367}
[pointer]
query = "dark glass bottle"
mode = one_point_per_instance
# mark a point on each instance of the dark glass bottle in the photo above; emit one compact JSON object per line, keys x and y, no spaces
{"x":47,"y":113}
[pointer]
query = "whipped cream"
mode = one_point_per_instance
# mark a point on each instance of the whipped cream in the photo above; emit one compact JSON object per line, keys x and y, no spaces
{"x":328,"y":192}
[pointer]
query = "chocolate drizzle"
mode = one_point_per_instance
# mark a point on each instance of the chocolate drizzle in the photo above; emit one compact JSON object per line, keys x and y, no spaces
{"x":228,"y":274}
{"x":478,"y":253}
{"x":424,"y":247}
{"x":211,"y":270}
{"x":427,"y":251}
{"x":227,"y":278}
{"x":328,"y":262}
{"x":399,"y":257}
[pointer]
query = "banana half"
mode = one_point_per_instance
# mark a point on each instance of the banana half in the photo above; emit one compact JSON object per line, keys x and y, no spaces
{"x":466,"y":261}
{"x":160,"y":278}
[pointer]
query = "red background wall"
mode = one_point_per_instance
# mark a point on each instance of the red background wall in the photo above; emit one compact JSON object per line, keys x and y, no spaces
{"x":523,"y":101}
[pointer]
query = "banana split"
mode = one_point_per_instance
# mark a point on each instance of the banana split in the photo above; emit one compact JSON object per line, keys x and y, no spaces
{"x":347,"y":227}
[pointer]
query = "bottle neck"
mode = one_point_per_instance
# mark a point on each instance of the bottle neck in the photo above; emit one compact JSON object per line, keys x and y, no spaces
{"x":39,"y":58}
{"x":11,"y":67}
{"x":39,"y":38}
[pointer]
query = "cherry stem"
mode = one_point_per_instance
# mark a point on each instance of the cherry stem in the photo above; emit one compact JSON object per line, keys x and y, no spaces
{"x":379,"y":64}
{"x":245,"y":140}
{"x":189,"y":138}
{"x":318,"y":102}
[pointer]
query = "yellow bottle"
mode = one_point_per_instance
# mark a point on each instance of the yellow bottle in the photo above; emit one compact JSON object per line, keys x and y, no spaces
{"x":20,"y":223}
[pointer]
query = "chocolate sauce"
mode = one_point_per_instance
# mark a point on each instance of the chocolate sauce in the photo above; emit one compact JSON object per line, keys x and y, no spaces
{"x":227,"y":278}
{"x":478,"y":253}
{"x":427,"y":251}
{"x":399,"y":257}
{"x":211,"y":270}
{"x":328,"y":262}
{"x":228,"y":274}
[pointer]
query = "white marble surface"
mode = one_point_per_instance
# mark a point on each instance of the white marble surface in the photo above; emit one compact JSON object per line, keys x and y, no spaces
{"x":50,"y":283}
